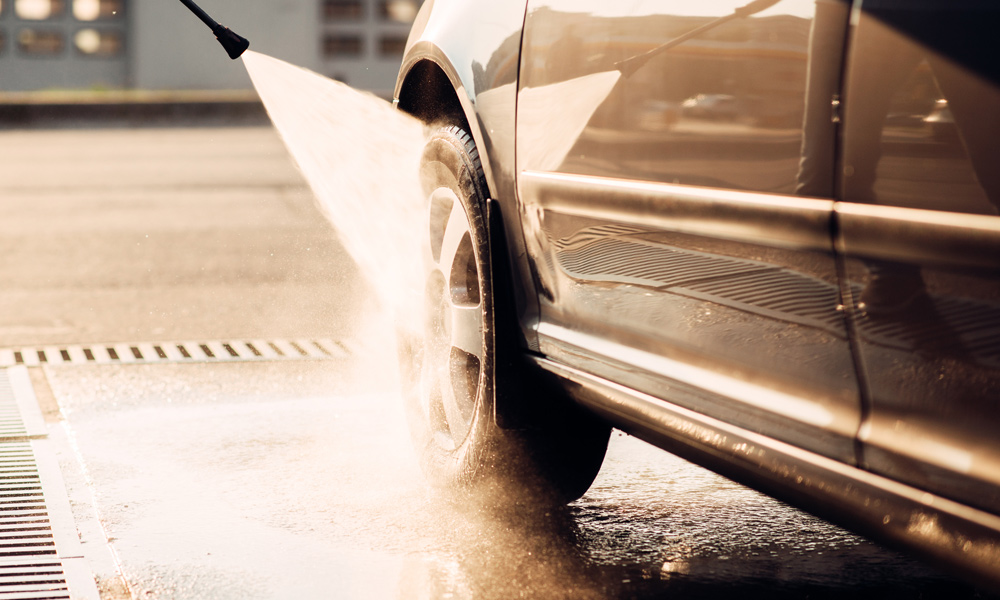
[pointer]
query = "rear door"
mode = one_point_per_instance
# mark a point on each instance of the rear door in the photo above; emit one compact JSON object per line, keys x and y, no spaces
{"x":920,"y":231}
{"x":678,"y":217}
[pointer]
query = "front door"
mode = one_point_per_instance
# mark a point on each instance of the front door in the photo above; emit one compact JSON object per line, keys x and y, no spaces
{"x":675,"y":165}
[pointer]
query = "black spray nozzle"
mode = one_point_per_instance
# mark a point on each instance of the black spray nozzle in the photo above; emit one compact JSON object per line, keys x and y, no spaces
{"x":234,"y":43}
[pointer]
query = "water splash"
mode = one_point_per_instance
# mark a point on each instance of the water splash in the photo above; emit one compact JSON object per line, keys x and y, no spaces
{"x":361,"y":159}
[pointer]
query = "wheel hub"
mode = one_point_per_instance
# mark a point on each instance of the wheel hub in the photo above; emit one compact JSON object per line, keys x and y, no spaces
{"x":455,"y":346}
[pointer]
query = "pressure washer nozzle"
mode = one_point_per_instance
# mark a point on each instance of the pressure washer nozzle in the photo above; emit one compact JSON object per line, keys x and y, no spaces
{"x":234,"y":43}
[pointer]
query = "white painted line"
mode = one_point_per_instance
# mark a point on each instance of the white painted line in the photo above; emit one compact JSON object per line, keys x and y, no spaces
{"x":172,"y":352}
{"x":351,"y":347}
{"x":334,"y":348}
{"x":29,"y":357}
{"x":244,"y":351}
{"x":195,"y":351}
{"x":53,"y":355}
{"x":219,"y":352}
{"x":277,"y":349}
{"x":265,"y":349}
{"x":124,"y":353}
{"x":311,"y":350}
{"x":286,"y":349}
{"x":101,"y":355}
{"x":148,"y":353}
{"x":76,"y":355}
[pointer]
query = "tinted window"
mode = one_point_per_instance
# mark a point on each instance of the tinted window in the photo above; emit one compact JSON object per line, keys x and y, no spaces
{"x":923,"y":107}
{"x":721,"y":101}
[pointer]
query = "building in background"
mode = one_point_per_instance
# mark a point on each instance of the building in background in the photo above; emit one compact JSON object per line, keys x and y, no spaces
{"x":161,"y":45}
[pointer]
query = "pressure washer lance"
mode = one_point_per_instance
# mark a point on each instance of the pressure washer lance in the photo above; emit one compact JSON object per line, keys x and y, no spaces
{"x":234,"y":43}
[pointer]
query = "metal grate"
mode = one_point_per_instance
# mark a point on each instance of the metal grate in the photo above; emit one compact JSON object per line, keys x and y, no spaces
{"x":33,"y":578}
{"x":11,"y":423}
{"x":176,"y":352}
{"x":30,"y":563}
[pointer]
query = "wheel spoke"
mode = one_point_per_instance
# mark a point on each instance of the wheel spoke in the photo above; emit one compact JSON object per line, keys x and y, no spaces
{"x":431,"y":384}
{"x":456,"y":229}
{"x":455,"y":344}
{"x":454,"y":409}
{"x":467,"y":330}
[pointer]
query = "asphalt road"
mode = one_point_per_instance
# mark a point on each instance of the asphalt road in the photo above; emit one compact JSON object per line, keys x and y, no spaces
{"x":294,"y":478}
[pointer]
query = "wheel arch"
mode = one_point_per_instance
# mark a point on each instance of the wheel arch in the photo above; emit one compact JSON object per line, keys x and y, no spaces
{"x":430,"y":89}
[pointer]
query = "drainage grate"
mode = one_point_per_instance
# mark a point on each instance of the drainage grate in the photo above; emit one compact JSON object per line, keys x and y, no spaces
{"x":177,"y":352}
{"x":37,"y":535}
{"x":33,"y":578}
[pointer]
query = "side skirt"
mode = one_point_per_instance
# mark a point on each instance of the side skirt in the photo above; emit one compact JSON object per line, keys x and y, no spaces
{"x":947,"y":533}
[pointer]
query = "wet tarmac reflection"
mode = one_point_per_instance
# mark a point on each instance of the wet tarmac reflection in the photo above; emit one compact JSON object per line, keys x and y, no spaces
{"x":655,"y":526}
{"x":284,"y":480}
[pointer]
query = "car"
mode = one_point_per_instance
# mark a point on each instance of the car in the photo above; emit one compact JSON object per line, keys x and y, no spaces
{"x":712,"y":107}
{"x":804,"y":298}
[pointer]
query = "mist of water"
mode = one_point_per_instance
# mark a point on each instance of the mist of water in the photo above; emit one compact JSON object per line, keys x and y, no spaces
{"x":361,"y":159}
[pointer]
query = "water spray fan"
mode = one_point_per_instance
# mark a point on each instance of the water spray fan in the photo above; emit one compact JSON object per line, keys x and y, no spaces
{"x":234,"y":43}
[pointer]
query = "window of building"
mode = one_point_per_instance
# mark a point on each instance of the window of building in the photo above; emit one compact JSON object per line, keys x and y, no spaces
{"x":342,"y":46}
{"x":39,"y":10}
{"x":92,"y":42}
{"x":391,"y":46}
{"x":93,"y":10}
{"x":400,"y":11}
{"x":34,"y":42}
{"x":343,"y":10}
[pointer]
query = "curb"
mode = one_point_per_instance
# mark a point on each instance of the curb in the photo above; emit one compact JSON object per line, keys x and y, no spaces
{"x":129,"y":108}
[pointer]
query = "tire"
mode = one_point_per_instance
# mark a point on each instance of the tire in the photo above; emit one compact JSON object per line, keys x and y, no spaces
{"x":452,"y":382}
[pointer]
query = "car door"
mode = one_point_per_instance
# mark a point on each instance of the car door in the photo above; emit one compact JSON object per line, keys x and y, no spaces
{"x":921,"y":237}
{"x":680,"y":234}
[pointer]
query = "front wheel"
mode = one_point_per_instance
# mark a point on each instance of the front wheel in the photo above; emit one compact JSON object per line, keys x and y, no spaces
{"x":451,"y":389}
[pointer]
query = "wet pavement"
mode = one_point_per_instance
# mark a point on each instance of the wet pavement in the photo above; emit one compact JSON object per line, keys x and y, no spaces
{"x":268,"y":480}
{"x":296,"y":479}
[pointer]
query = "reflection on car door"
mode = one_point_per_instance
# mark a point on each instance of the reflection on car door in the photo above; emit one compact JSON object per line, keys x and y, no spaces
{"x":922,"y":241}
{"x":682,"y":240}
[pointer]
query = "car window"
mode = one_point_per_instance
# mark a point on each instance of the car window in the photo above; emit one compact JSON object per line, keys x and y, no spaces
{"x":923,"y":106}
{"x":722,"y":105}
